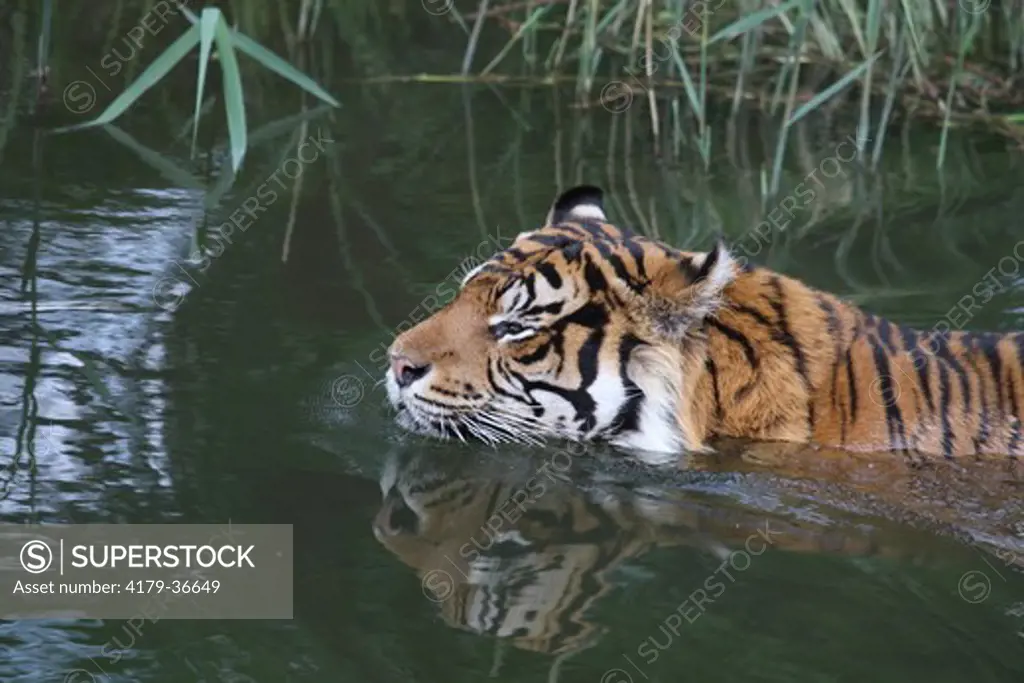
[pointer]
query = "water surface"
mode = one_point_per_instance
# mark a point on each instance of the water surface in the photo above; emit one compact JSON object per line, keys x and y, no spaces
{"x":250,"y":393}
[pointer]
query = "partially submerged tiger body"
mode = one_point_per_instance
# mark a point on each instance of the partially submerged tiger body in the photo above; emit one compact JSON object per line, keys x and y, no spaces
{"x":584,"y":330}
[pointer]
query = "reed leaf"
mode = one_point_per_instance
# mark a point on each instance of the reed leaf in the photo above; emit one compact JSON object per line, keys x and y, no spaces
{"x":207,"y":29}
{"x":146,"y":80}
{"x":826,"y":94}
{"x":178,"y":176}
{"x":211,"y":28}
{"x":751,"y":21}
{"x":234,"y":101}
{"x":281,"y":67}
{"x":536,"y":16}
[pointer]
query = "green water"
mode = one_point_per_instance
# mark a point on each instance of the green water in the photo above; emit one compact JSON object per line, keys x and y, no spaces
{"x":254,"y":399}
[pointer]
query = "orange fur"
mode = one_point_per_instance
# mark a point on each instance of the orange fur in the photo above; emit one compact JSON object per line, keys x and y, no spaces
{"x":826,"y":372}
{"x":734,"y":351}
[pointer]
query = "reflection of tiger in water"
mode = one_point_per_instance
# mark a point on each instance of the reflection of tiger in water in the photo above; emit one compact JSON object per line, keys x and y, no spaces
{"x":587,"y":331}
{"x":528,"y":568}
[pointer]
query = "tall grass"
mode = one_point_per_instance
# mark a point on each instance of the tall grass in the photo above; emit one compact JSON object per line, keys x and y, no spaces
{"x":679,"y":63}
{"x":955,"y":63}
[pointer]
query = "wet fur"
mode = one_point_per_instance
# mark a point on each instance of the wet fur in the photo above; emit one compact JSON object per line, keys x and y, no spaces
{"x":662,"y":351}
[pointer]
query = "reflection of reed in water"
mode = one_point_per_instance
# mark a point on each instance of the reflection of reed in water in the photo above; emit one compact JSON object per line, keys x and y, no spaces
{"x":525,"y":556}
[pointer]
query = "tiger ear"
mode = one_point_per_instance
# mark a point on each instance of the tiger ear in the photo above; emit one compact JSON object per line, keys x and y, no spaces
{"x":678,"y":299}
{"x":580,"y":202}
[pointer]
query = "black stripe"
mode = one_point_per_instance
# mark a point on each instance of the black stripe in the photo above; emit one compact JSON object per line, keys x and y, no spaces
{"x":518,"y":298}
{"x":852,"y":382}
{"x":496,"y":269}
{"x":637,"y":252}
{"x":438,"y":404}
{"x":558,"y":344}
{"x":884,"y":328}
{"x":919,"y":359}
{"x":492,"y":382}
{"x":576,"y":231}
{"x":628,"y":416}
{"x":737,"y":337}
{"x":943,"y":352}
{"x":908,"y":336}
{"x":713,"y":371}
{"x":757,"y":315}
{"x":581,"y":401}
{"x":530,"y":386}
{"x":843,"y":419}
{"x":893,"y":414}
{"x":536,"y":355}
{"x":589,"y":315}
{"x":984,"y":426}
{"x":594,"y":317}
{"x":835,"y":331}
{"x":531,"y":290}
{"x":469,"y":393}
{"x":989,"y":344}
{"x":831,"y":318}
{"x":785,"y":337}
{"x":685,"y":264}
{"x":554,"y":241}
{"x":834,"y":381}
{"x":553,"y":309}
{"x":516,"y":253}
{"x":593,"y":227}
{"x":500,"y":292}
{"x":709,"y":264}
{"x":550,"y":273}
{"x":618,"y":266}
{"x":947,"y":431}
{"x":594,"y":277}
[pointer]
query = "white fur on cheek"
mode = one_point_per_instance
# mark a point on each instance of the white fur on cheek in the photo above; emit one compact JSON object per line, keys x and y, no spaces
{"x":609,"y":395}
{"x":658,"y":439}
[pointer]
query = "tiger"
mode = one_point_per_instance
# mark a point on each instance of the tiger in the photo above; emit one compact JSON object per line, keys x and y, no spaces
{"x":503,"y":549}
{"x":586,"y":331}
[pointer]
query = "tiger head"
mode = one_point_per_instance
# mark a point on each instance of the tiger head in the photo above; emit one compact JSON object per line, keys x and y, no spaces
{"x":578,"y":330}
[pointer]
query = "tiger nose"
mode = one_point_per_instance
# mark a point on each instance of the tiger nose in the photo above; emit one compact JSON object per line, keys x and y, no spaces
{"x":406,"y":372}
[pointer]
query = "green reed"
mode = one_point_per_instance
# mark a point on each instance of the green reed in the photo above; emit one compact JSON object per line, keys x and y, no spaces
{"x":955,"y":64}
